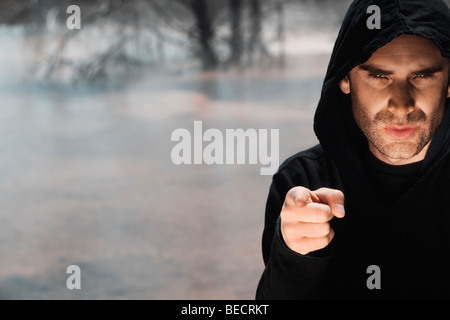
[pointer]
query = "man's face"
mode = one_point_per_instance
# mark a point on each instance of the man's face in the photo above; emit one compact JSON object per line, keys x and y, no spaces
{"x":398,"y":97}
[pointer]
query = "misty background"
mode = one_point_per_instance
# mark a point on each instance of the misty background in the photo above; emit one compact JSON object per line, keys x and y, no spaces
{"x":85,"y":140}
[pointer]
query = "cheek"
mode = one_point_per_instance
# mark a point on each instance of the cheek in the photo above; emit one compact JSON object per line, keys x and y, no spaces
{"x":366,"y":101}
{"x":362,"y":113}
{"x":432,"y":101}
{"x":372,"y":94}
{"x":433,"y":90}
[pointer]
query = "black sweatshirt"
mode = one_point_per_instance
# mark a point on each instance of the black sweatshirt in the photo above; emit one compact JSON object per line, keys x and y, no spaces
{"x":406,"y":234}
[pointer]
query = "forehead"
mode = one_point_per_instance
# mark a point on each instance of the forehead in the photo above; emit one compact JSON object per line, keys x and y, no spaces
{"x":408,"y":49}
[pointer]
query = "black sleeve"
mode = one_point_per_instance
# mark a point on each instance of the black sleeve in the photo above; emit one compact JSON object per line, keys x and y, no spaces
{"x":290,"y":275}
{"x":287,"y":274}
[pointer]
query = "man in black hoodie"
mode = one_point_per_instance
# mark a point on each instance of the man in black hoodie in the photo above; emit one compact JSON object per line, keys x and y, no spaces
{"x":365,"y":214}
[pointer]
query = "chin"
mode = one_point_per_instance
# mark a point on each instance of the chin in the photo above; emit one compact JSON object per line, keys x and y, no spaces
{"x":400,"y":150}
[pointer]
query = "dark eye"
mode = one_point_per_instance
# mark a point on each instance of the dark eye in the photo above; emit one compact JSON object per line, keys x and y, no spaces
{"x":378,"y":76}
{"x":423,"y":75}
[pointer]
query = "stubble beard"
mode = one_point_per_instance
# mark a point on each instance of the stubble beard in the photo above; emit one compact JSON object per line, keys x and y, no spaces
{"x":374,"y":126}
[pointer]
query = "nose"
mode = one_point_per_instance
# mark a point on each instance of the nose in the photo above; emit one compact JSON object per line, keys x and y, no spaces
{"x":402,"y":98}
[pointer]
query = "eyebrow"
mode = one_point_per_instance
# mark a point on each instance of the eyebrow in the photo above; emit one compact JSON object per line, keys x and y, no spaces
{"x":376,"y":70}
{"x":430,"y":70}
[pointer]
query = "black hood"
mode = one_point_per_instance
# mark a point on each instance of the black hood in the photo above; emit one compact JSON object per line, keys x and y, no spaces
{"x":334,"y":124}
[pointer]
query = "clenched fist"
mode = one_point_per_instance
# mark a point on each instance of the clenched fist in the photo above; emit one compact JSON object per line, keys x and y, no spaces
{"x":305,"y":218}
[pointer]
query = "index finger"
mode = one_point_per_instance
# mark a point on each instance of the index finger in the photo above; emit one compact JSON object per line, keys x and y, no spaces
{"x":334,"y":198}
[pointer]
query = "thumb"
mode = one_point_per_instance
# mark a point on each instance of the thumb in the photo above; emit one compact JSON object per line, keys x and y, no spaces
{"x":333,"y":198}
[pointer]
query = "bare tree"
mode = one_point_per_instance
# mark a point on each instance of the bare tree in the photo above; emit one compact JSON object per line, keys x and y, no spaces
{"x":255,"y":44}
{"x":219,"y":33}
{"x":205,"y":32}
{"x":236,"y":32}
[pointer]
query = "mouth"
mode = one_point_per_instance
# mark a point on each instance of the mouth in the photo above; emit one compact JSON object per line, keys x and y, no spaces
{"x":401,"y":132}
